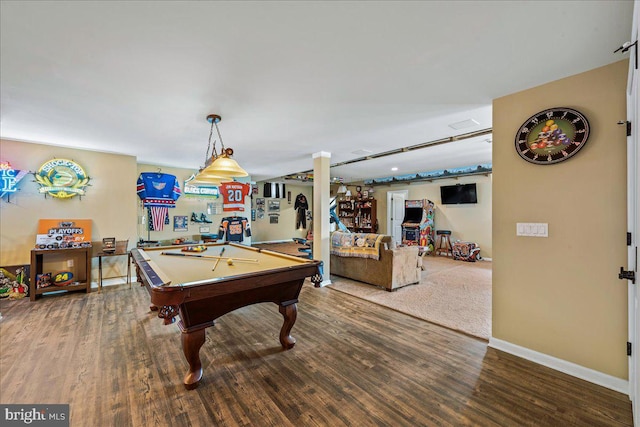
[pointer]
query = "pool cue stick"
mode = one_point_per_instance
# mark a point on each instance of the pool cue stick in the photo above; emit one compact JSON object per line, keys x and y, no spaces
{"x":211,"y":257}
{"x":218,"y":260}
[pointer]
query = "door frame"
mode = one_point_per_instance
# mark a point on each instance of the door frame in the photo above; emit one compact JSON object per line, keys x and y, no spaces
{"x":390,"y":194}
{"x":633,"y":217}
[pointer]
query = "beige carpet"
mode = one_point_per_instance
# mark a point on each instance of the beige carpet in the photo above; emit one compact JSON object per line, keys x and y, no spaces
{"x":454,"y":294}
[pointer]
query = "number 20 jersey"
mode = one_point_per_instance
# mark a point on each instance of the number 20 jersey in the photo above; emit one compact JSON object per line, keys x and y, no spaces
{"x":233,"y":194}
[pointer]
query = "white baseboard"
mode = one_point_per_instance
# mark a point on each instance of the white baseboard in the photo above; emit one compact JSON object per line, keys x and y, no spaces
{"x":272,"y":241}
{"x":587,"y":374}
{"x":325,"y":283}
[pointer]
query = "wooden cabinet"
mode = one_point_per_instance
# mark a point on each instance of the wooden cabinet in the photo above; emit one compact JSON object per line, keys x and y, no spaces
{"x":346,"y":213}
{"x":75,"y":260}
{"x":359,"y":216}
{"x":365,"y":217}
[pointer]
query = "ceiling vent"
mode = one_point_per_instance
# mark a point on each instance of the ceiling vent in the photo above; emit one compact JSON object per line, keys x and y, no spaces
{"x":464,"y":124}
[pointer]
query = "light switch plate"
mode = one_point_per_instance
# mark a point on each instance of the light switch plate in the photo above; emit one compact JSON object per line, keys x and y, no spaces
{"x":532,"y":229}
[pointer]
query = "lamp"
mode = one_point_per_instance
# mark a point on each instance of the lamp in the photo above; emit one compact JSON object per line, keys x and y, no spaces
{"x":218,"y":168}
{"x":203,"y":178}
{"x":342,"y":189}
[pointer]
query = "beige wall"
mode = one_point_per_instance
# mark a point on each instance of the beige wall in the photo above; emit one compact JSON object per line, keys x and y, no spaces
{"x":467,"y":222}
{"x":285,"y":229}
{"x":560,"y":295}
{"x":111,"y":203}
{"x":186,"y":205}
{"x":110,"y":200}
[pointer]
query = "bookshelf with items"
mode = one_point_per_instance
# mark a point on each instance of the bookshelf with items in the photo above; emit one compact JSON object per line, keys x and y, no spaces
{"x":346,"y":213}
{"x":365,"y":217}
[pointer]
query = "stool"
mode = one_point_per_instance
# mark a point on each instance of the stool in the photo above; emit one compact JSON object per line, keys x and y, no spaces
{"x":444,"y":243}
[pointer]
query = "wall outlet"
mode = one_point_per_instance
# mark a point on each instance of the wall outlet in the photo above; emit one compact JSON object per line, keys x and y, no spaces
{"x":69,"y":263}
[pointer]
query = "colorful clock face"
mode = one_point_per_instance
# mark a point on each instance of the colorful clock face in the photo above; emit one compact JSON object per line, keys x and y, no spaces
{"x":552,"y":136}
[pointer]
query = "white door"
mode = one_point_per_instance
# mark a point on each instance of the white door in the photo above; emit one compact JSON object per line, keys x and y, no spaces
{"x":395,"y":213}
{"x":633,"y":218}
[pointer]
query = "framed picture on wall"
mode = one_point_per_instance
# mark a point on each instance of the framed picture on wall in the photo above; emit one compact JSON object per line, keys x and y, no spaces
{"x":273,"y":219}
{"x":180,"y":223}
{"x":274,"y":205}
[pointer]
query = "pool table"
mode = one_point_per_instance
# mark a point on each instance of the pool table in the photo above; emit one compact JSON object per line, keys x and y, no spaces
{"x":202,"y":286}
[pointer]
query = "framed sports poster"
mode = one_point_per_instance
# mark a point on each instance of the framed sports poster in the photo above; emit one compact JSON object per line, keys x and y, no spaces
{"x":180,"y":223}
{"x":274,"y":205}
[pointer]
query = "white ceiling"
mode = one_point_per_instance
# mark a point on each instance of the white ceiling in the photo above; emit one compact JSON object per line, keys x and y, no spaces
{"x":288,"y":78}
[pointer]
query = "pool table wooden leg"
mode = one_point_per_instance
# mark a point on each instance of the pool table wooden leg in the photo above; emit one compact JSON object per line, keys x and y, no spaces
{"x":191,"y":343}
{"x":289,"y":312}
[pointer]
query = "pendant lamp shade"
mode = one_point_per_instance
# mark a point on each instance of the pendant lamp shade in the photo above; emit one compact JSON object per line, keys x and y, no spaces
{"x":219,"y":168}
{"x":203,"y":178}
{"x":224,"y":165}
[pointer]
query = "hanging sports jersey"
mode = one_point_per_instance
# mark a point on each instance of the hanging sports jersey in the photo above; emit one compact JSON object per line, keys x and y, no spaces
{"x":159,"y":192}
{"x":233,"y":194}
{"x":158,"y":189}
{"x":233,"y":229}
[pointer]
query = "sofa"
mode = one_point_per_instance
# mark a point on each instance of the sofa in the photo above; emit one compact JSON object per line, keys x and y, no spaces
{"x":393,"y":268}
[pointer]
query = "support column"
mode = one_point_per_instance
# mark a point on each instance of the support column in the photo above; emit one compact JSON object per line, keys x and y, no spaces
{"x":321,"y":202}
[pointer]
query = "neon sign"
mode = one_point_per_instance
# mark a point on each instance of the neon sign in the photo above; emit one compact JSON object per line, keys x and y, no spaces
{"x":62,"y":179}
{"x":9,"y":179}
{"x":200,"y":190}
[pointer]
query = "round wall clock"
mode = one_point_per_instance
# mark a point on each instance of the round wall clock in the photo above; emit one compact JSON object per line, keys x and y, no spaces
{"x":552,"y":136}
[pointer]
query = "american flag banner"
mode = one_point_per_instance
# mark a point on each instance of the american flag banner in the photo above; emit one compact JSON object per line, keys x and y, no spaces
{"x":158,"y":215}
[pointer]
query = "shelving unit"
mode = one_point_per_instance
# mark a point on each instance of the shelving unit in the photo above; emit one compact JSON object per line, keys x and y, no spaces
{"x":346,"y":213}
{"x":366,"y":220}
{"x":359,"y":216}
{"x":76,"y":260}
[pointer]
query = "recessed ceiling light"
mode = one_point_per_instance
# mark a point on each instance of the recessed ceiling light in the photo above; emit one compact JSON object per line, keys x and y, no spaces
{"x":464,"y":124}
{"x":394,"y":168}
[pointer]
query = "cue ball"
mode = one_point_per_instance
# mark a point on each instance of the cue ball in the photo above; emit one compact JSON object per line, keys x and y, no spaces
{"x":230,"y":261}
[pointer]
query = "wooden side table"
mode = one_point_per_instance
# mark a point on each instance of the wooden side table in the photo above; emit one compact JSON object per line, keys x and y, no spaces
{"x":121,"y":249}
{"x":82,"y":271}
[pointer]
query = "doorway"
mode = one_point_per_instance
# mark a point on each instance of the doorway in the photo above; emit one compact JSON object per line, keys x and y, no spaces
{"x":395,"y":213}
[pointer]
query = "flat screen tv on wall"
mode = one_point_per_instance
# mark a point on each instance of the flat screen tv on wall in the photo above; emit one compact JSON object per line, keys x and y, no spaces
{"x":458,"y":194}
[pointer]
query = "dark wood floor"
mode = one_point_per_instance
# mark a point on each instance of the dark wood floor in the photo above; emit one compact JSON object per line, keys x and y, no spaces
{"x":355,"y":364}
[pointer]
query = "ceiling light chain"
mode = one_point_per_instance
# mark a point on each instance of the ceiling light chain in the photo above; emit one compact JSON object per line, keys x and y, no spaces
{"x":218,"y":168}
{"x":222,"y":149}
{"x":213,"y":153}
